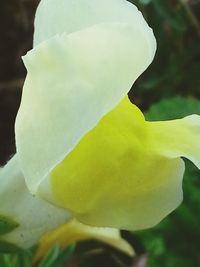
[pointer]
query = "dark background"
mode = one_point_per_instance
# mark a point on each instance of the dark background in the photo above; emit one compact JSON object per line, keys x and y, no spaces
{"x":16,"y":31}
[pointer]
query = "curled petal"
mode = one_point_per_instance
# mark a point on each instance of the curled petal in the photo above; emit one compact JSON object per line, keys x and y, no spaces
{"x":73,"y":80}
{"x":74,"y":231}
{"x":70,"y":16}
{"x":177,"y":138}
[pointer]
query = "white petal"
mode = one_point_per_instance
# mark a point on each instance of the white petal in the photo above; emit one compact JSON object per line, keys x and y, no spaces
{"x":33,"y":215}
{"x":74,"y":15}
{"x":73,"y":80}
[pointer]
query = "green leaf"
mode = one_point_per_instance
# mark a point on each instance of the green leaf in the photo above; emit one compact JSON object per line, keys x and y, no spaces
{"x":7,"y":247}
{"x":22,"y":258}
{"x":7,"y":225}
{"x":25,"y":257}
{"x":57,"y":258}
{"x":173,"y":108}
{"x":64,"y":256}
{"x":50,"y":258}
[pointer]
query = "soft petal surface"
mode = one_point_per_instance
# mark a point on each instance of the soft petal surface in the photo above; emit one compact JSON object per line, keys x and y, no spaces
{"x":115,"y":178}
{"x":177,"y":138}
{"x":72,"y":81}
{"x":69,"y":16}
{"x":33,"y":216}
{"x":74,"y":231}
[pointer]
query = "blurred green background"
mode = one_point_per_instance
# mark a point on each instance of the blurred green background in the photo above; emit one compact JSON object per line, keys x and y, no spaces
{"x":170,"y":88}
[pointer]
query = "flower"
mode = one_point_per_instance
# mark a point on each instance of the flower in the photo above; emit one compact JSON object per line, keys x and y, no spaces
{"x":81,"y":145}
{"x":79,"y":69}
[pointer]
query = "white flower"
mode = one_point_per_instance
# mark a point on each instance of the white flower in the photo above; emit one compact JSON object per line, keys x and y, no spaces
{"x":86,"y":56}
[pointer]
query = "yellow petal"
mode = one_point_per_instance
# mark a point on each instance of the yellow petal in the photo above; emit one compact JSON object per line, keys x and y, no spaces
{"x":114,"y":178}
{"x":74,"y":231}
{"x":177,"y":138}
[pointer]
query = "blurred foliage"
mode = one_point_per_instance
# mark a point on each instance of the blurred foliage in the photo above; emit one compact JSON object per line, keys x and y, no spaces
{"x":175,"y":241}
{"x":173,"y":108}
{"x":175,"y":69}
{"x":20,"y":259}
{"x":170,"y":88}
